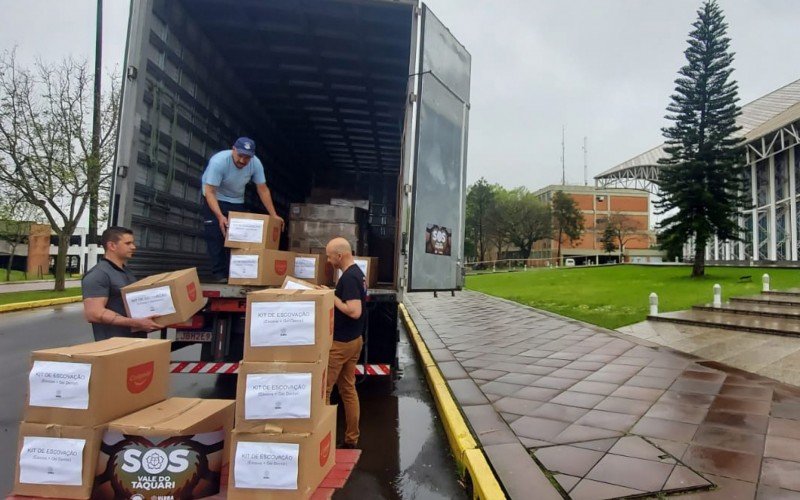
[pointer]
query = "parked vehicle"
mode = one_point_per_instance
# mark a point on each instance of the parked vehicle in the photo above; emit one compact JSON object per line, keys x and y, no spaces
{"x":366,"y":98}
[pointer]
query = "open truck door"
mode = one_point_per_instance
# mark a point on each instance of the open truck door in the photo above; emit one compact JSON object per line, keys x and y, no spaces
{"x":438,"y":159}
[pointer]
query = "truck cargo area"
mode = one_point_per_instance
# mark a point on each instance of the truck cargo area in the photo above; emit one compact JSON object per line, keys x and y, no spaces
{"x":320,"y":86}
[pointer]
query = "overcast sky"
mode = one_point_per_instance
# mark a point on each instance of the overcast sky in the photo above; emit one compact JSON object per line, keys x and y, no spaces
{"x":603,"y":69}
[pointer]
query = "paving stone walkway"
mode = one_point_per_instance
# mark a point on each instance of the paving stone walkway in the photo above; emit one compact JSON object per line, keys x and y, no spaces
{"x":604,"y":416}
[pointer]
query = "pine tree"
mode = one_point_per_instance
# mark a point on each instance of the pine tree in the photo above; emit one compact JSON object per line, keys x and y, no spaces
{"x":701,"y":184}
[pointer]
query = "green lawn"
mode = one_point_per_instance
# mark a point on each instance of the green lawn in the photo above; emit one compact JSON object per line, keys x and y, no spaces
{"x":20,"y":276}
{"x":614,"y":296}
{"x":14,"y":297}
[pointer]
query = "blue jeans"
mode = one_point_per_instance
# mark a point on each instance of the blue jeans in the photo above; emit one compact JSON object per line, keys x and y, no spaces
{"x":215,"y":240}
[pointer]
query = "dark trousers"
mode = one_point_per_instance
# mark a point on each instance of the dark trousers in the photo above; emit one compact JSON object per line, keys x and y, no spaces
{"x":215,"y":241}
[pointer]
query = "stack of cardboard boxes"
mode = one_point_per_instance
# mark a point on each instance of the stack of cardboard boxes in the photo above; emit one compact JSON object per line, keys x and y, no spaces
{"x":284,"y":440}
{"x":97,"y":422}
{"x":255,"y":258}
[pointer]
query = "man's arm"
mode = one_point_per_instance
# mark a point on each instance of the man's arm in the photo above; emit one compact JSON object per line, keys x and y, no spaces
{"x":266,"y":198}
{"x":95,"y":311}
{"x":210,"y":192}
{"x":350,"y":308}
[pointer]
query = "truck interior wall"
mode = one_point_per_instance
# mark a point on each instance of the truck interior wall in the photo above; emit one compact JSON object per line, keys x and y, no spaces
{"x":319,"y":85}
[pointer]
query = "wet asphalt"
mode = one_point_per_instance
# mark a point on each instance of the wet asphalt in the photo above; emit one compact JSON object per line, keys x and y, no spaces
{"x":404,"y":450}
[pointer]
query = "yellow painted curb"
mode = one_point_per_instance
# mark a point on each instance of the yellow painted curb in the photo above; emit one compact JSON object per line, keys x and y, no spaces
{"x":469,"y":457}
{"x":20,"y":306}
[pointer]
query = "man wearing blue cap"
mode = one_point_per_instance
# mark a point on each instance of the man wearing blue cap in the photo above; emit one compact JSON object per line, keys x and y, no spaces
{"x":224,"y":180}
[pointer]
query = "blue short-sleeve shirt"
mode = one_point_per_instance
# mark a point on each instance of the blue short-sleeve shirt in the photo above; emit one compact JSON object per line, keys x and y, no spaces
{"x":230,"y":181}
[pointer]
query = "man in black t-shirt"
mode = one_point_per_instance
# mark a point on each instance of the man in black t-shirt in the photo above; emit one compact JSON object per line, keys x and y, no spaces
{"x":348,"y":327}
{"x":102,"y":299}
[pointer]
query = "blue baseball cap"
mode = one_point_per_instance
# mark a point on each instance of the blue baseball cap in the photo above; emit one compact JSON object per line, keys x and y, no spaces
{"x":245,"y":146}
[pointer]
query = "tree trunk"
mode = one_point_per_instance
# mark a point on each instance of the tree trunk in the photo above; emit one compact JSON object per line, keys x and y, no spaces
{"x":10,"y":262}
{"x":559,"y":247}
{"x":61,"y":260}
{"x":699,"y":265}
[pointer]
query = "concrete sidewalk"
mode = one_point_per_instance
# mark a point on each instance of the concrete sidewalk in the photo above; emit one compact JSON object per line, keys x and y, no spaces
{"x":29,"y":286}
{"x":604,"y":415}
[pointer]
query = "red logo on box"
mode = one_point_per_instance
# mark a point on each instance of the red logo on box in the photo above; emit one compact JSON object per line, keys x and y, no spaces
{"x":140,"y":376}
{"x":276,"y":233}
{"x":331,"y":322}
{"x":280,"y":267}
{"x":191,"y":291}
{"x":324,"y":450}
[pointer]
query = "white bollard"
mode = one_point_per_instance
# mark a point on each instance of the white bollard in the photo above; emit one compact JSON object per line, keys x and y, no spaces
{"x":765,"y":283}
{"x":717,"y":295}
{"x":653,"y":304}
{"x":494,"y":267}
{"x":526,"y":266}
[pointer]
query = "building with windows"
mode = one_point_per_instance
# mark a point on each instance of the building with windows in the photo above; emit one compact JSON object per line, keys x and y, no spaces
{"x":771,"y":130}
{"x":630,"y":208}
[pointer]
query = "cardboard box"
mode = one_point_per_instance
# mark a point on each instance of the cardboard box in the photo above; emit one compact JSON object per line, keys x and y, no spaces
{"x":326,"y":213}
{"x":303,"y":244}
{"x":369,"y":266}
{"x":56,"y":461}
{"x":91,"y":384}
{"x":176,"y":448}
{"x":288,"y":325}
{"x":292,"y":283}
{"x":172,"y":297}
{"x":282,"y":466}
{"x":251,"y":266}
{"x":342,"y":202}
{"x":246,"y":230}
{"x":311,"y":267}
{"x":280,"y":397}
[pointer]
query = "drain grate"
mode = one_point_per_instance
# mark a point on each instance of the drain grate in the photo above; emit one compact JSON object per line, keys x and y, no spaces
{"x":626,"y":467}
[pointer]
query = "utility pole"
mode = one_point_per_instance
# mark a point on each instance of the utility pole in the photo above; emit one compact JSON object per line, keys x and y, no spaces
{"x":94,"y":161}
{"x":563,"y":168}
{"x":585,"y":164}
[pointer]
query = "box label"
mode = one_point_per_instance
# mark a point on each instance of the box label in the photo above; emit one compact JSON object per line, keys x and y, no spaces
{"x":266,"y":466}
{"x":244,"y":266}
{"x":246,"y":230}
{"x":151,"y":302}
{"x":362,"y":264}
{"x":159,"y":467}
{"x":293,"y":285}
{"x":282,"y":323}
{"x":277,"y":395}
{"x":305,"y":267}
{"x":46,"y":460}
{"x":57,"y":384}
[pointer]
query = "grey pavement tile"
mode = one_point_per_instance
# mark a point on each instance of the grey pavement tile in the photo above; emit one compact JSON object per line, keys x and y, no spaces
{"x":664,"y":429}
{"x":484,"y":374}
{"x":536,"y":393}
{"x":569,"y":373}
{"x":588,"y":489}
{"x":523,"y":379}
{"x":579,"y":399}
{"x":576,"y":433}
{"x":554,"y":382}
{"x":452,"y":370}
{"x":608,"y":420}
{"x":509,"y":417}
{"x":630,"y":472}
{"x":784,"y":448}
{"x":590,"y":387}
{"x":568,"y":459}
{"x":678,"y":412}
{"x":442,"y":355}
{"x":558,"y":412}
{"x":517,"y":405}
{"x":624,"y":405}
{"x":651,"y":382}
{"x":538,"y":428}
{"x":519,"y":474}
{"x":467,"y":392}
{"x":500,"y":388}
{"x":733,"y":464}
{"x":727,"y":489}
{"x":488,"y":425}
{"x":729,"y":439}
{"x":766,"y":492}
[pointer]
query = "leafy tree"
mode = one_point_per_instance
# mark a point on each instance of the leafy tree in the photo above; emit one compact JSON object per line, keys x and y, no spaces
{"x":567,"y":219}
{"x":621,"y":229}
{"x":609,"y":239}
{"x":526,"y":220}
{"x":45,"y":141}
{"x":701,"y":186}
{"x":481,"y":200}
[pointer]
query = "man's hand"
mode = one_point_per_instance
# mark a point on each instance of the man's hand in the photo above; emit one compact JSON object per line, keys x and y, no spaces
{"x":145,"y":324}
{"x":321,"y":287}
{"x":283,"y":224}
{"x":223,"y":225}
